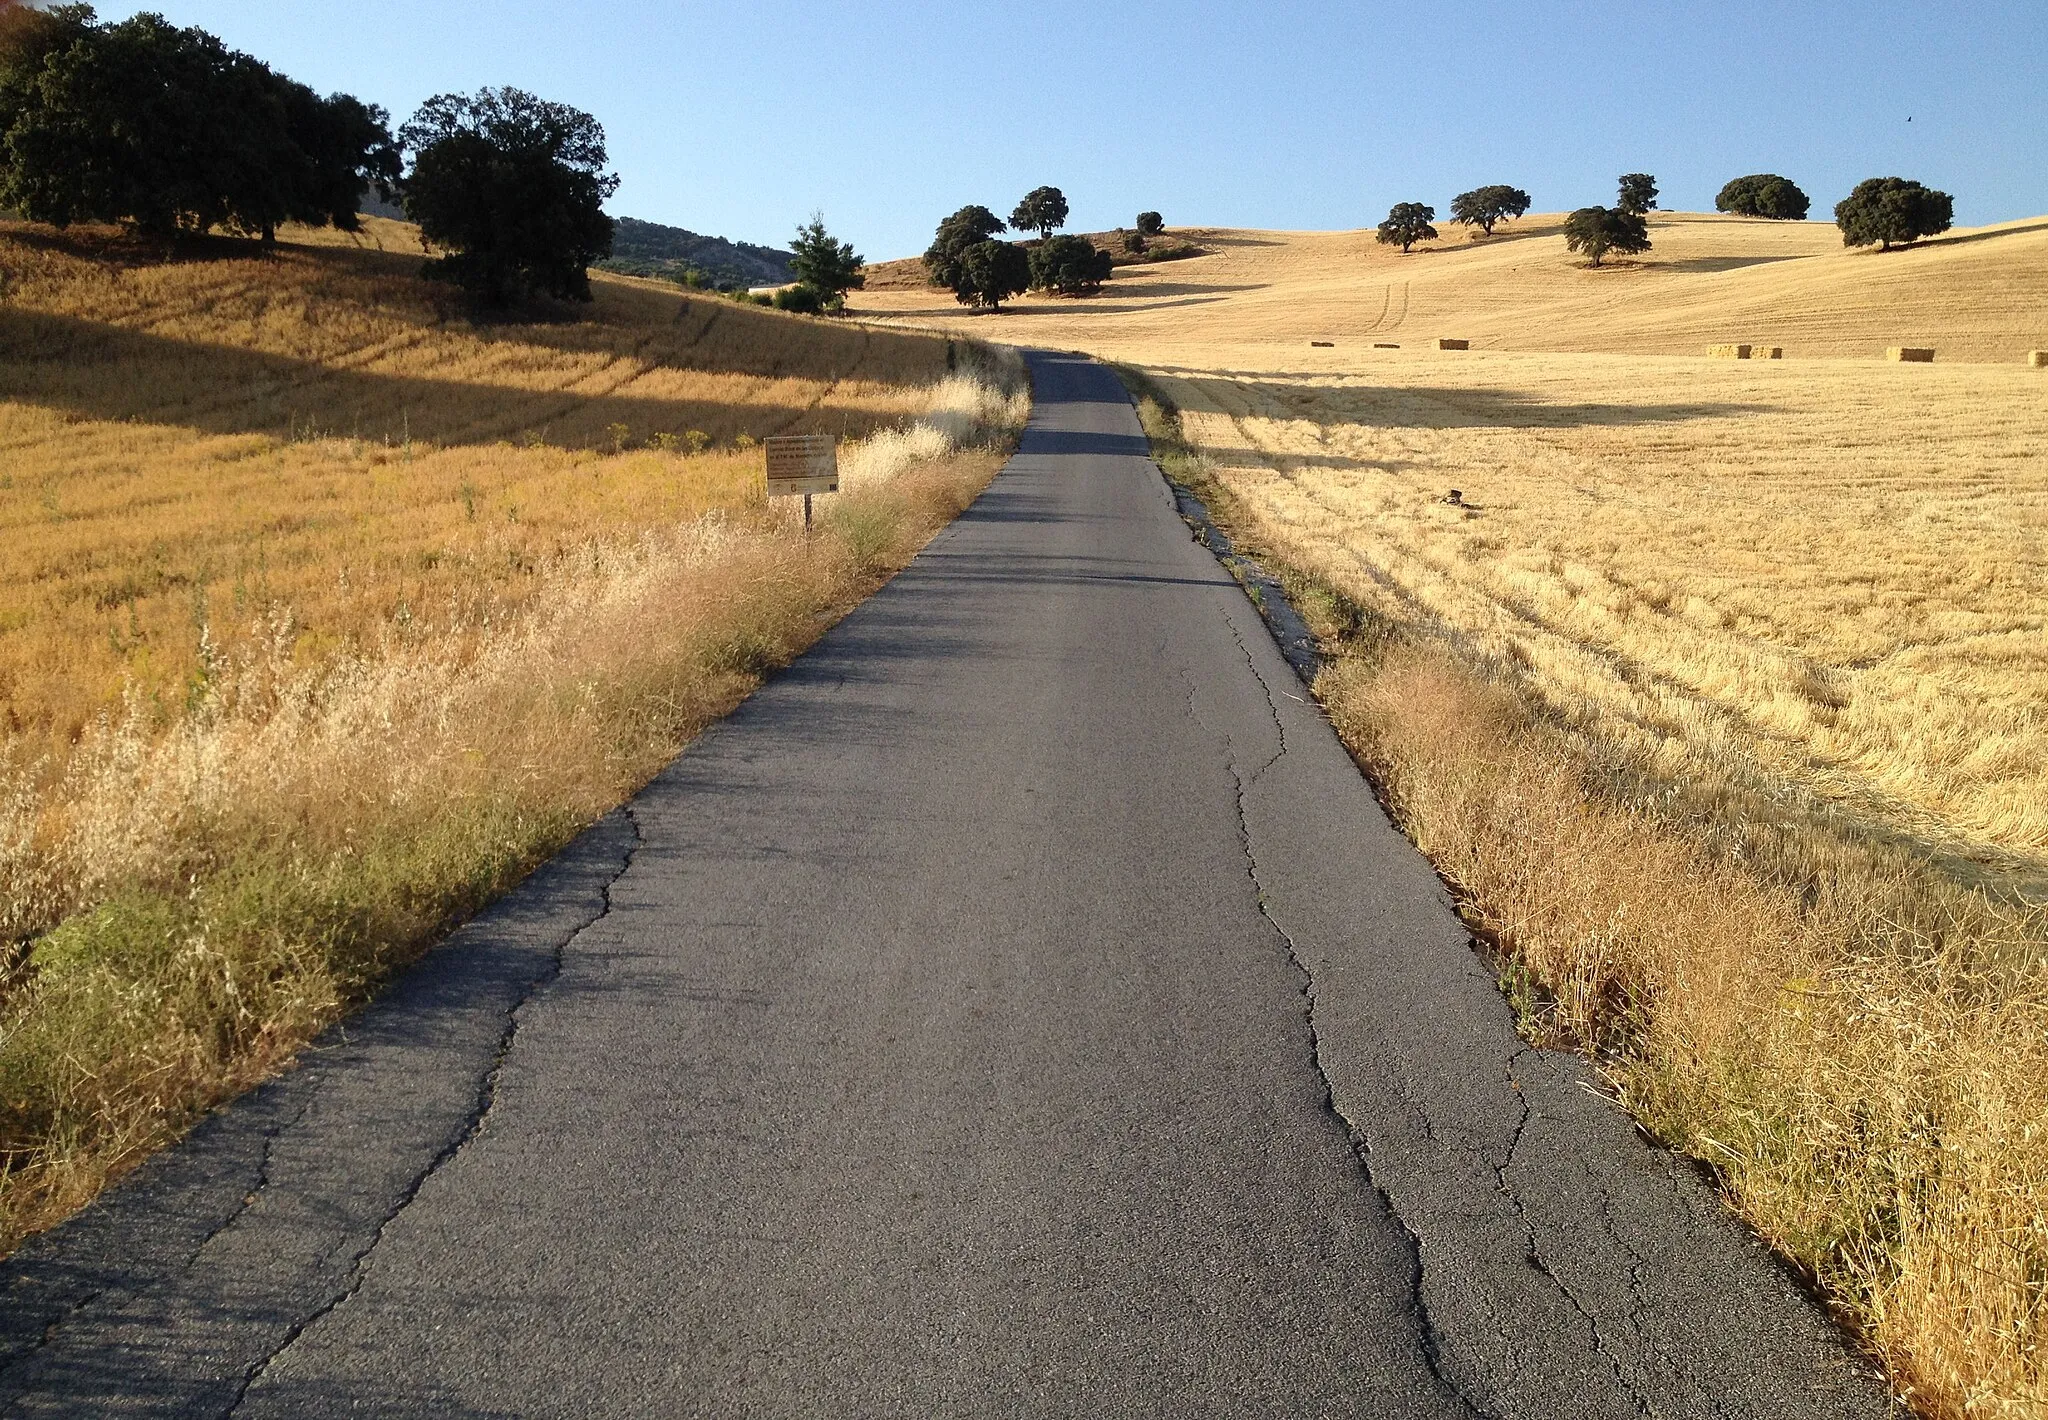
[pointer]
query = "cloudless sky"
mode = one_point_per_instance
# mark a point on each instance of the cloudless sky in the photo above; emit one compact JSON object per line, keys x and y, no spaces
{"x":738,"y":119}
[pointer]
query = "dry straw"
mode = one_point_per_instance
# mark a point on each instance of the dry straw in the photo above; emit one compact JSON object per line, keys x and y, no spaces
{"x":446,"y":658}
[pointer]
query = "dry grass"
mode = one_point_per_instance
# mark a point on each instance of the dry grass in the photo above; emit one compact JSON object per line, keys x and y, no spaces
{"x":1721,"y":692}
{"x":1978,"y":295}
{"x":1808,"y":579}
{"x":1851,"y":1029}
{"x":182,"y":445}
{"x":368,"y":681}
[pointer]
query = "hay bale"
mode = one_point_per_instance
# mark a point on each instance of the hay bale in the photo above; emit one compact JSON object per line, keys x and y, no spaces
{"x":2038,"y":359}
{"x":1447,"y":343}
{"x":1728,"y":352}
{"x":1911,"y":354}
{"x":1324,"y":344}
{"x":1384,"y":345}
{"x":1767,"y":352}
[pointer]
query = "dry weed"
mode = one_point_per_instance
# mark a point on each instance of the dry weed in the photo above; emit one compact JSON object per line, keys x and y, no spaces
{"x":196,"y":884}
{"x":1853,"y":1038}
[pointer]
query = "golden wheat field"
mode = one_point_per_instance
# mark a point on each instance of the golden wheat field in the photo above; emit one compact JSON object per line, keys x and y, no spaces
{"x":184,"y":446}
{"x":1978,"y":295}
{"x":1719,"y":692}
{"x":1821,"y":574}
{"x":327,"y":611}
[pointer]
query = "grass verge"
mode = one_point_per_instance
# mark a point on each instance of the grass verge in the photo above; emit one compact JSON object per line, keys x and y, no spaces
{"x":200,"y":899}
{"x":1854,"y":1041}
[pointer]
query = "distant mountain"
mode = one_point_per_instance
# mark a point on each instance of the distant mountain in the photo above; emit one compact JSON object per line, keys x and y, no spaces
{"x":650,"y":249}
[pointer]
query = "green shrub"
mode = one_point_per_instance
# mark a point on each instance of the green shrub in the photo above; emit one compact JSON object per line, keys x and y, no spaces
{"x":802,"y":298}
{"x":1764,"y":195}
{"x":1071,"y":266}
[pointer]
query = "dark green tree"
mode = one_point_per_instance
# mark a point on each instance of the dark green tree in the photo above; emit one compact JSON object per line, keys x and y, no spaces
{"x":1070,"y":266}
{"x":348,"y":145}
{"x":1150,"y":224}
{"x":989,"y":273}
{"x":1482,"y":207}
{"x":970,"y":226}
{"x":828,"y":266}
{"x":1134,"y":243}
{"x":1043,"y":210}
{"x":1408,"y":223}
{"x":1638,"y":194}
{"x":1764,"y":195}
{"x":171,"y":131}
{"x":1888,"y":211}
{"x":1596,"y":231}
{"x":512,"y":188}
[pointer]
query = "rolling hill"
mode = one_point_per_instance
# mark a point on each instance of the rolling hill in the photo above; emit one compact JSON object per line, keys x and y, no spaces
{"x":1977,"y":295}
{"x":650,"y":249}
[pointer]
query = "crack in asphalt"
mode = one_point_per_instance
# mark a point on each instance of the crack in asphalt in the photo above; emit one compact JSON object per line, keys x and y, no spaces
{"x":1205,"y":531}
{"x":254,"y":1193}
{"x":486,"y":1100}
{"x":1536,"y":1257}
{"x":55,"y":1326}
{"x":1431,"y":1340}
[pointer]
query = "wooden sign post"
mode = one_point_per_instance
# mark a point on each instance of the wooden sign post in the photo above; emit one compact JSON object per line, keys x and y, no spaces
{"x":802,"y":463}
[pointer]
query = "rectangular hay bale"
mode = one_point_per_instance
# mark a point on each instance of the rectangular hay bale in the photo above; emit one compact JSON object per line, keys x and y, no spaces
{"x":1911,"y":354}
{"x":1728,"y":352}
{"x":2038,"y":359}
{"x":1446,"y":342}
{"x":1384,"y":345}
{"x":1768,"y":352}
{"x":1324,"y":344}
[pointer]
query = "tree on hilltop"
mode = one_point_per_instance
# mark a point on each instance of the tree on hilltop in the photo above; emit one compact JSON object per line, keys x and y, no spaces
{"x":512,"y":188}
{"x":827,"y":266}
{"x":1407,"y":223}
{"x":1043,"y":210}
{"x":1883,"y":211}
{"x":1482,"y":207}
{"x":989,"y":273}
{"x":1596,"y":231}
{"x":1071,"y":266}
{"x":1150,"y":224}
{"x":1638,"y":194}
{"x":169,"y":130}
{"x":1764,"y":195}
{"x":970,"y":226}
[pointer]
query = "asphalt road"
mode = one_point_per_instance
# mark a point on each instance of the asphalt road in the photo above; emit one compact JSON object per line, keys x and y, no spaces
{"x":1019,"y":1007}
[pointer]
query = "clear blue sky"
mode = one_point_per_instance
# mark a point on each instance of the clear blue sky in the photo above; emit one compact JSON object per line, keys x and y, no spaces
{"x":738,"y":119}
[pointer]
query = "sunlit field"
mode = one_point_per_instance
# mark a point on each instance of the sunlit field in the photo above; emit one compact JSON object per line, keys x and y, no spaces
{"x":1719,"y":688}
{"x":189,"y":449}
{"x":326,"y":612}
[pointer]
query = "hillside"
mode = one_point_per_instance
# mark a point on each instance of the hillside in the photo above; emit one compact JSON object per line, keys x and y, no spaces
{"x":650,"y":249}
{"x":1975,"y":295}
{"x":327,"y":610}
{"x":182,"y":440}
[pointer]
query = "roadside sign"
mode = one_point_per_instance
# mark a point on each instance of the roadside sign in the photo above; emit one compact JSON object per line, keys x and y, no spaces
{"x":802,"y":463}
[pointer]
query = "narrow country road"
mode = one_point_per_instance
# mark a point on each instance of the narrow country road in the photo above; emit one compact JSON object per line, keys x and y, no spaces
{"x":1020,"y":1007}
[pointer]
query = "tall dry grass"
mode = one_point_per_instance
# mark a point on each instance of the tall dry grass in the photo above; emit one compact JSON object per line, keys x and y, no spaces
{"x":1855,"y":1038}
{"x":185,"y":443}
{"x":195,"y":885}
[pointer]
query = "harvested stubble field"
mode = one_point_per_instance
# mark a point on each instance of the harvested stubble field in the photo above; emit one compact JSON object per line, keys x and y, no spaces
{"x":1721,"y":693}
{"x":326,"y":611}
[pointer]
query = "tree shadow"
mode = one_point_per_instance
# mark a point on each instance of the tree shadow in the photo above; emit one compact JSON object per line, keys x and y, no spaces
{"x":92,"y":370}
{"x":1966,"y":238}
{"x":1727,"y":263}
{"x":1430,"y":407}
